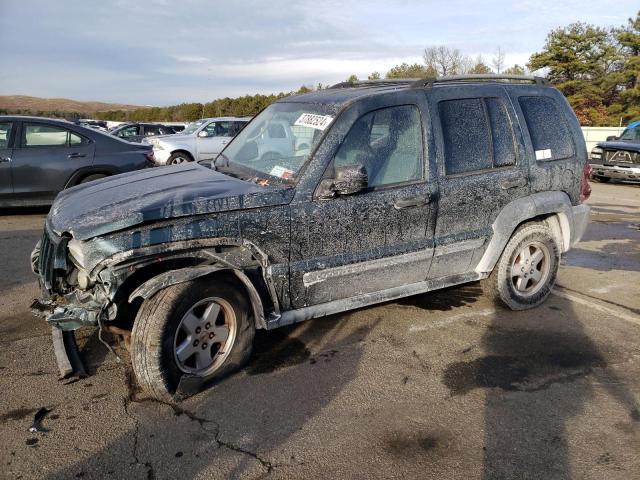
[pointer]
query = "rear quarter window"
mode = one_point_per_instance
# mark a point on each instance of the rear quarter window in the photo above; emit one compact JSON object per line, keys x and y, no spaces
{"x":547,"y":127}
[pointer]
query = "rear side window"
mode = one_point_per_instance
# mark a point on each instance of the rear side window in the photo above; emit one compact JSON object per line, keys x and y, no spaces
{"x":548,"y":129}
{"x":131,"y":131}
{"x":477,"y":135}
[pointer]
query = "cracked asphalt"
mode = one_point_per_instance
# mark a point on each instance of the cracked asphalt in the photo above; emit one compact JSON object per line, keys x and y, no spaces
{"x":442,"y":385}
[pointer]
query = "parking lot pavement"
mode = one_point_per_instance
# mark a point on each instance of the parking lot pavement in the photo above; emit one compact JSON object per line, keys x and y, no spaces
{"x":443,"y":385}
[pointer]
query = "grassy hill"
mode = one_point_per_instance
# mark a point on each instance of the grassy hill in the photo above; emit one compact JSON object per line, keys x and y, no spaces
{"x":23,"y":103}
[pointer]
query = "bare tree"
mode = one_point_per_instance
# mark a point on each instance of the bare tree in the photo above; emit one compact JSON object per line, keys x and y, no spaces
{"x":444,"y":61}
{"x":497,"y":62}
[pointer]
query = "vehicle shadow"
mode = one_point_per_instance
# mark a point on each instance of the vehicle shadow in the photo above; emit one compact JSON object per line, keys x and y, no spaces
{"x":240,"y":427}
{"x":538,"y":372}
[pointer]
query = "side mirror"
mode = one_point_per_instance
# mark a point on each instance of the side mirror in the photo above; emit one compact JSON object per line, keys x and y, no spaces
{"x":203,"y":134}
{"x":611,"y":138}
{"x":348,"y":180}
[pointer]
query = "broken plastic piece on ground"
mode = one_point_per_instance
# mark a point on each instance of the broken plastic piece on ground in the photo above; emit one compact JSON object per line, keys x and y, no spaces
{"x":36,"y":426}
{"x":67,"y":355}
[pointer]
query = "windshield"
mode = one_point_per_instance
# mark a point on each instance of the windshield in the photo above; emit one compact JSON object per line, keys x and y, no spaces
{"x":277,"y":143}
{"x":192,"y":127}
{"x":631,"y":135}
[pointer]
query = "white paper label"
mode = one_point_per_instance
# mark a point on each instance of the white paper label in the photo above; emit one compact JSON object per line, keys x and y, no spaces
{"x":281,"y":172}
{"x":311,"y":120}
{"x":543,"y":154}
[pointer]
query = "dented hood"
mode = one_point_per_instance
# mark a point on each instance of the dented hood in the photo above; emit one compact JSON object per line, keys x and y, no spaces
{"x":123,"y":201}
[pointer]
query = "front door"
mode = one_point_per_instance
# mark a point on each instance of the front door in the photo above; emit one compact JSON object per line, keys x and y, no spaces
{"x":218,"y":135}
{"x":378,"y":238}
{"x":6,"y":186}
{"x":47,"y":156}
{"x":482,"y":168}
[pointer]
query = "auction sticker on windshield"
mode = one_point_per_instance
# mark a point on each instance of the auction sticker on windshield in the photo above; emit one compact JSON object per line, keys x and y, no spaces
{"x":281,"y":172}
{"x":319,"y":122}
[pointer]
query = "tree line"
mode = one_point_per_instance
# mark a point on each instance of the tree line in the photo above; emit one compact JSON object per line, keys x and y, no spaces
{"x":597,"y":69}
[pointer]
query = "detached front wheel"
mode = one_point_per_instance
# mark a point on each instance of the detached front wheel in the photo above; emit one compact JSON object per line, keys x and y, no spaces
{"x":526,"y":271}
{"x":200,"y":328}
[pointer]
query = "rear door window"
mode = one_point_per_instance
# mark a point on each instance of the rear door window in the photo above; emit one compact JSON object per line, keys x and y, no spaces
{"x":40,"y":135}
{"x":547,"y":127}
{"x":477,"y":135}
{"x":131,"y":131}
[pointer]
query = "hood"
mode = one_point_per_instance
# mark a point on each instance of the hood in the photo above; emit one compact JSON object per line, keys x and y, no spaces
{"x":129,"y":199}
{"x":617,"y":145}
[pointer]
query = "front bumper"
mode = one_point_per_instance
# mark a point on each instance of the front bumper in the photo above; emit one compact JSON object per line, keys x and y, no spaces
{"x":631,"y":173}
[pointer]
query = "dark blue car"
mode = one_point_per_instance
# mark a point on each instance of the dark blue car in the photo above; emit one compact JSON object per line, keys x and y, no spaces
{"x":39,"y":157}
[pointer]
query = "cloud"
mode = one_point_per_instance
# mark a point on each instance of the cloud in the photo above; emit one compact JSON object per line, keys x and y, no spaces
{"x":164,"y":51}
{"x":190,"y":59}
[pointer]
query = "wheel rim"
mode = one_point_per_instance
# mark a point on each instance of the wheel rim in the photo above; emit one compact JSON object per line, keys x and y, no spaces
{"x":530,"y":269}
{"x":205,"y":336}
{"x":178,"y":160}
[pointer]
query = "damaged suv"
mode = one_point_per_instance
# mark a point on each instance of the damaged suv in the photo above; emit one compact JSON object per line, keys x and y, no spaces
{"x":389,"y":189}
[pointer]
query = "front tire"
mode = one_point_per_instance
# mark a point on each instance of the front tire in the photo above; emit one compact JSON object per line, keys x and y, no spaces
{"x":526,"y":271}
{"x":200,"y":328}
{"x":602,"y":179}
{"x":178,"y":158}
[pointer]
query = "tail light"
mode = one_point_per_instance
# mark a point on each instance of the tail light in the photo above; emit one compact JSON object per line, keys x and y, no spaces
{"x":585,"y":187}
{"x":151,"y":156}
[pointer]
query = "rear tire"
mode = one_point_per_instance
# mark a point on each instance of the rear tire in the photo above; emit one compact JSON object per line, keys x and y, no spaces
{"x":91,"y":178}
{"x":526,"y":271}
{"x":170,"y":335}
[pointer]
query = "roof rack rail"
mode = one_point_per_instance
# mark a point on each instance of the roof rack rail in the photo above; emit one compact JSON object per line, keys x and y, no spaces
{"x":429,"y":82}
{"x":377,"y":83}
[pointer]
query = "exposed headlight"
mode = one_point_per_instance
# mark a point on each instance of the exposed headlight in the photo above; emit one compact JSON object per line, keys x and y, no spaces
{"x":596,"y":153}
{"x":84,"y":281}
{"x":75,"y":250}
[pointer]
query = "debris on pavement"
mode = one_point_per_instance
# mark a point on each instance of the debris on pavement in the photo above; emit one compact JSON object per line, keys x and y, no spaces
{"x":36,"y":426}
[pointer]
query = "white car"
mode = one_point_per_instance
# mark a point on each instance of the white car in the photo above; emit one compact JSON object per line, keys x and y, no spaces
{"x":201,"y":140}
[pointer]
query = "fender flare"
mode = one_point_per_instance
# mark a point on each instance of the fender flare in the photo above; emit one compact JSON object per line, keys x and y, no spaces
{"x":521,"y":210}
{"x":174,"y":277}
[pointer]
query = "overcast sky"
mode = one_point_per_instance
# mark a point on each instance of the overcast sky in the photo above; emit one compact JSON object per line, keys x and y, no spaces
{"x":164,"y":52}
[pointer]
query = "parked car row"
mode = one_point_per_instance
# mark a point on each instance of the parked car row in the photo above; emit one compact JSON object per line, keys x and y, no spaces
{"x":200,"y":140}
{"x":618,"y":157}
{"x":135,"y":132}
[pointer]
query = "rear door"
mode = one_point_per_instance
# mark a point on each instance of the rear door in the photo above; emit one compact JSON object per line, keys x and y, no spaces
{"x":6,"y":132}
{"x":481,"y":169}
{"x":45,"y":158}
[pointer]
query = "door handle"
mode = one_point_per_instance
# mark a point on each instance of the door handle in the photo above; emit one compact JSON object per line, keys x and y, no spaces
{"x":514,"y":183}
{"x":412,"y":202}
{"x":5,"y":159}
{"x":77,"y":155}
